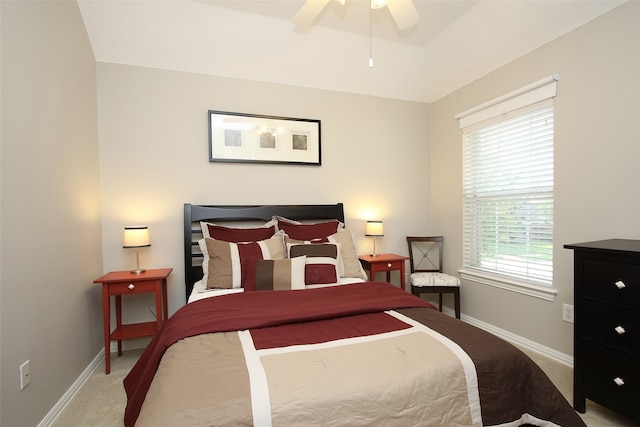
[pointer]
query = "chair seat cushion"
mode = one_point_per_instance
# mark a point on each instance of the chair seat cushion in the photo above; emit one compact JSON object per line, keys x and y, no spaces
{"x":434,"y":279}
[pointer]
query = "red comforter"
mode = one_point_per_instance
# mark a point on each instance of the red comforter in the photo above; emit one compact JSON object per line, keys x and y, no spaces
{"x":252,"y":310}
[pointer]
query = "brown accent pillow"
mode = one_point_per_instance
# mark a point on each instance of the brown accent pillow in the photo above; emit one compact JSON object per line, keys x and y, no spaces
{"x":224,"y":264}
{"x":321,"y":262}
{"x":275,"y":274}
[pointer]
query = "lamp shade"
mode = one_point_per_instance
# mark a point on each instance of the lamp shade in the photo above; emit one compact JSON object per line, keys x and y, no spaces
{"x":374,"y":228}
{"x":136,"y":236}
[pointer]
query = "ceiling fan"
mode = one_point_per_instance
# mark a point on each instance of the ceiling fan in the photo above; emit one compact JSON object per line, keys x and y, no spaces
{"x":403,"y":12}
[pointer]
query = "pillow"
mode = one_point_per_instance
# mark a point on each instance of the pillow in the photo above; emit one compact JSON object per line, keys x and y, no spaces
{"x":321,"y":261}
{"x":275,"y":274}
{"x":299,"y":231}
{"x":348,"y":262}
{"x":236,"y":235}
{"x":224,"y":264}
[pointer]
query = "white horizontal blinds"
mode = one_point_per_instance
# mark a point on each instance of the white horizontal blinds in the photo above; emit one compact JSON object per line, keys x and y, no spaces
{"x":508,"y":194}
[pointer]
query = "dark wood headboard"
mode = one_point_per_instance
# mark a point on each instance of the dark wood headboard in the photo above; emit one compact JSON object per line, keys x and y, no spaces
{"x":193,"y":214}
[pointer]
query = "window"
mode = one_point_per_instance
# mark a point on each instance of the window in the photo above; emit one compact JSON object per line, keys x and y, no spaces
{"x":508,"y":187}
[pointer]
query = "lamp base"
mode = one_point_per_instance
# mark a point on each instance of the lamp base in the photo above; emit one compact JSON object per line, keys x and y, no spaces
{"x":137,"y":270}
{"x":375,"y":254}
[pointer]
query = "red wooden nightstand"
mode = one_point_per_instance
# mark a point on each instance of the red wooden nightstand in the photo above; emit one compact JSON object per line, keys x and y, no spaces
{"x":384,"y":262}
{"x":118,"y":283}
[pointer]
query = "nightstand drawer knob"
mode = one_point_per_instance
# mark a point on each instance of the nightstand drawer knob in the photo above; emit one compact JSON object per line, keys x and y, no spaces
{"x":131,"y":286}
{"x":620,"y":284}
{"x":389,"y":265}
{"x":619,"y":381}
{"x":620,"y":330}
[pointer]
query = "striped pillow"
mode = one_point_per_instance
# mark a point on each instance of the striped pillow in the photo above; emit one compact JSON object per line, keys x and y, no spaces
{"x":321,"y":261}
{"x":275,"y":274}
{"x":224,"y":264}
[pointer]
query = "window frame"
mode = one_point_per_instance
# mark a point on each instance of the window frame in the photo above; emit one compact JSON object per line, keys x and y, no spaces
{"x":531,"y":98}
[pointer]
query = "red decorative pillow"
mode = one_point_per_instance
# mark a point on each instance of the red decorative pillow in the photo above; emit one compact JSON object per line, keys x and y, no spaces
{"x":317,"y":232}
{"x":238,"y":235}
{"x":321,"y":262}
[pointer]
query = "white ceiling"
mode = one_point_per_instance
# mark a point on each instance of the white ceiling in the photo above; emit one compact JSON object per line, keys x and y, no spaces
{"x":454,"y":43}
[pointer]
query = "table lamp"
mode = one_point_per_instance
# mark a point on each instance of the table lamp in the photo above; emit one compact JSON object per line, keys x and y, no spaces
{"x":373,"y":229}
{"x":136,"y":237}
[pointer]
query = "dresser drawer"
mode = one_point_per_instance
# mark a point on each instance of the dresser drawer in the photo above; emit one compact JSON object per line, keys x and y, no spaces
{"x":603,"y":367}
{"x":614,"y":326}
{"x":615,"y":282}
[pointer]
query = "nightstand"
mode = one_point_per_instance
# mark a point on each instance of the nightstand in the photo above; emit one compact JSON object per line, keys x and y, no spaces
{"x":119,"y":283}
{"x":384,"y":262}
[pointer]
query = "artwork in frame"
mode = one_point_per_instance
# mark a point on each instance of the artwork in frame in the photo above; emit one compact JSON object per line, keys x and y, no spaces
{"x":253,"y":138}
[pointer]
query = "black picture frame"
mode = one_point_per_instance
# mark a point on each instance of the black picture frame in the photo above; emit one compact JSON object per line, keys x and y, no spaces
{"x":255,"y":138}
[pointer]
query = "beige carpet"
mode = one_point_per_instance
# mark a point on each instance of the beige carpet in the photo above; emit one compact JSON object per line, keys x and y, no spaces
{"x":101,"y":400}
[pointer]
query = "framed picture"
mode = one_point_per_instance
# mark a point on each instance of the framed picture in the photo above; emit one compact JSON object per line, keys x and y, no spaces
{"x":252,"y":138}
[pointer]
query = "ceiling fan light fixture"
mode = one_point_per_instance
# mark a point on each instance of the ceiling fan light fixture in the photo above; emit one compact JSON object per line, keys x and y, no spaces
{"x":377,"y":4}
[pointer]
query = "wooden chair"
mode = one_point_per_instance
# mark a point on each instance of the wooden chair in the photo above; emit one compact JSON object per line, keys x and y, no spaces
{"x":425,"y":259}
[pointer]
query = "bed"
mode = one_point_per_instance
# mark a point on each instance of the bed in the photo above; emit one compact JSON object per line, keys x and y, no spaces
{"x":293,"y":334}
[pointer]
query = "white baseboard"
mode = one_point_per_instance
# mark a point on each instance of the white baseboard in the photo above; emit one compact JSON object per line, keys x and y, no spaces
{"x":97,"y":362}
{"x":64,"y":401}
{"x":552,"y":354}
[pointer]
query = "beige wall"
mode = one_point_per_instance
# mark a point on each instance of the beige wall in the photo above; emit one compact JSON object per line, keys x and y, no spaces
{"x":154,"y":158}
{"x":50,"y":223}
{"x":62,"y":222}
{"x":597,"y":147}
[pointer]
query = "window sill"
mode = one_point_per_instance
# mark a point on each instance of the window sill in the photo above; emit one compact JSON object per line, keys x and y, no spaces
{"x":537,"y":291}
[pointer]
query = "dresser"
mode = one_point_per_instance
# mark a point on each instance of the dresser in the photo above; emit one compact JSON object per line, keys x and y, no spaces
{"x":607,"y":325}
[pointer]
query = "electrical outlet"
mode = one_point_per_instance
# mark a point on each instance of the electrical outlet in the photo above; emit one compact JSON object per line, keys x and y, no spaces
{"x":567,"y":313}
{"x":25,"y":375}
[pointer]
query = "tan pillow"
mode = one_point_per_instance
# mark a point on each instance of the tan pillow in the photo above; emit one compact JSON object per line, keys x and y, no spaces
{"x":350,"y":266}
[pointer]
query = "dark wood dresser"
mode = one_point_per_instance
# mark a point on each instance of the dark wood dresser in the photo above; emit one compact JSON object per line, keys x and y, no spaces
{"x":607,"y":325}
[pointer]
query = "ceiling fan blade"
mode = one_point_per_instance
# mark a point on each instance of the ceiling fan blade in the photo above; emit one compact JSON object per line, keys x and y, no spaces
{"x":404,"y":13}
{"x":309,"y":12}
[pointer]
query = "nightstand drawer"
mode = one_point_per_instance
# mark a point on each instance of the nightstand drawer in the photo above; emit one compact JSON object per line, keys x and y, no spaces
{"x":612,"y":378}
{"x":615,"y":326}
{"x":615,"y":282}
{"x":131,"y":287}
{"x":391,"y":265}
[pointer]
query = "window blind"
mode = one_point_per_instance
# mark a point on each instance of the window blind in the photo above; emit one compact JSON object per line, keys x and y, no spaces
{"x":508,"y":194}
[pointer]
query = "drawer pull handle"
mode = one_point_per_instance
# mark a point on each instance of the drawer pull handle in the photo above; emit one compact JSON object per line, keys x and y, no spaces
{"x":619,"y":381}
{"x":389,"y":265}
{"x":620,"y":330}
{"x":131,"y":286}
{"x":620,"y":284}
